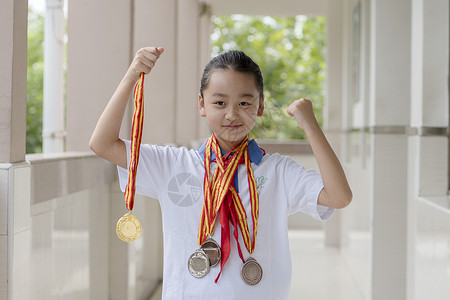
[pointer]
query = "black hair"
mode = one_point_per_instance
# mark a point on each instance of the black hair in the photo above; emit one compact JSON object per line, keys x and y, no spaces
{"x":235,"y":60}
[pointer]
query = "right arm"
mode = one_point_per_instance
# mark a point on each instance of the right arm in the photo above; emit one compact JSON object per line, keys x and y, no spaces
{"x":105,"y":141}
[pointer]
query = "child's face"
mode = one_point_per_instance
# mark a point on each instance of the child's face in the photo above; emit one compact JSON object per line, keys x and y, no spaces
{"x":231,"y":102}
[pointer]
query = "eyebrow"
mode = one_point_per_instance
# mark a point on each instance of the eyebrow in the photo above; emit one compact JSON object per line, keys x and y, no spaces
{"x":244,"y":95}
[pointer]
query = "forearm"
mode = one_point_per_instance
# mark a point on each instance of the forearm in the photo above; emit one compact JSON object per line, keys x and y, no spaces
{"x":337,"y":192}
{"x":105,"y":138}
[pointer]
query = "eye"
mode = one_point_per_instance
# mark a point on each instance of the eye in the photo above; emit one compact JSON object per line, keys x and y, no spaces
{"x":244,"y":103}
{"x":220,"y":103}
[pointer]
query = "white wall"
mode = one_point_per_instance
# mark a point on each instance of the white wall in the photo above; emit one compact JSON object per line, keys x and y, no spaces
{"x":397,"y":155}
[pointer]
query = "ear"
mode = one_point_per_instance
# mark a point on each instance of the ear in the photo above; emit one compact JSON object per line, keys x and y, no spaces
{"x":201,"y":106}
{"x":261,"y":107}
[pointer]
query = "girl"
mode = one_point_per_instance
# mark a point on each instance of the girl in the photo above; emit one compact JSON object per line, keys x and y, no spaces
{"x":229,"y":180}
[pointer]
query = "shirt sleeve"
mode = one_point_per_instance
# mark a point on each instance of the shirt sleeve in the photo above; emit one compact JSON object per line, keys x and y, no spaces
{"x":302,"y":188}
{"x":154,"y":167}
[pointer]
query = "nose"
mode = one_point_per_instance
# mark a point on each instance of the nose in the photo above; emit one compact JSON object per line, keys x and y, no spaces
{"x":231,"y":113}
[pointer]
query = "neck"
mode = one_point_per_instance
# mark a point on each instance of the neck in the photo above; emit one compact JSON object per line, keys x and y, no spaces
{"x":228,"y":146}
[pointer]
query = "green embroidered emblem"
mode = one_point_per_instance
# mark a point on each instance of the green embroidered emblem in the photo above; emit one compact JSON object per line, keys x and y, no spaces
{"x":260,"y":181}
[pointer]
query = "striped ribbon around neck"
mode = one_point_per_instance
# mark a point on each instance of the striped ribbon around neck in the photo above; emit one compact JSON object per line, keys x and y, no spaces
{"x":218,"y":189}
{"x":136,"y":137}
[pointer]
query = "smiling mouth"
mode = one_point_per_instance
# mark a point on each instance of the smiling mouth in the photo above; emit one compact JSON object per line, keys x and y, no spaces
{"x":232,"y":127}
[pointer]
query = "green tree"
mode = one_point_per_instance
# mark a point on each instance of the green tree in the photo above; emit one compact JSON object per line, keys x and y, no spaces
{"x":291,"y":54}
{"x":35,"y":78}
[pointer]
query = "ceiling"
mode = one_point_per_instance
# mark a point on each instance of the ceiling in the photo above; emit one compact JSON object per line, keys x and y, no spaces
{"x":268,"y":7}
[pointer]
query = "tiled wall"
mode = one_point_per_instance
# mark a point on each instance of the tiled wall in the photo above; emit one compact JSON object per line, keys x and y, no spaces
{"x":52,"y":249}
{"x":432,"y":257}
{"x":4,"y":184}
{"x":66,"y":247}
{"x":427,"y":273}
{"x":60,"y":248}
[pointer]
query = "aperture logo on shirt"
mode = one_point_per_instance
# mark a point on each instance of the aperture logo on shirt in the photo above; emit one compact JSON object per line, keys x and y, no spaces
{"x":184,"y":189}
{"x":260,"y":180}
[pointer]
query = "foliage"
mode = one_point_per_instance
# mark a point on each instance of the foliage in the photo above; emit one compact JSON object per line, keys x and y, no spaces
{"x":291,"y":54}
{"x":35,"y":78}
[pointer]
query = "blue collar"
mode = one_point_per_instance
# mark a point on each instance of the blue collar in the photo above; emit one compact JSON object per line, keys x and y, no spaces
{"x":256,"y":154}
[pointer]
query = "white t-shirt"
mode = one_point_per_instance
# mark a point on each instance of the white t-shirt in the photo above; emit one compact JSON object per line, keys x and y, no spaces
{"x":174,"y":176}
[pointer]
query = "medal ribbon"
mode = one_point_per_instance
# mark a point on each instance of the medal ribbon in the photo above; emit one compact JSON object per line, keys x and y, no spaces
{"x":136,"y":137}
{"x":221,"y":195}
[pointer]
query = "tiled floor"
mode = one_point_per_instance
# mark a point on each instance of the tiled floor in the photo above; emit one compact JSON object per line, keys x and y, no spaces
{"x":318,"y":273}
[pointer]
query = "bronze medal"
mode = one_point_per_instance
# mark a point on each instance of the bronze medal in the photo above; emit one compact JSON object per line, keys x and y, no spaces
{"x":212,"y":250}
{"x":128,"y":228}
{"x":198,"y":264}
{"x":251,"y":272}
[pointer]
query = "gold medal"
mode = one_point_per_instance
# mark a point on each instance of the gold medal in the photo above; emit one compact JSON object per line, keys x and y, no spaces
{"x":128,"y":228}
{"x":251,"y":272}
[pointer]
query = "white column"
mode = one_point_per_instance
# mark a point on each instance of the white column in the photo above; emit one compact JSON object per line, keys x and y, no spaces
{"x":429,"y":63}
{"x":13,"y":80}
{"x":53,"y":118}
{"x":335,"y":35}
{"x":98,"y":55}
{"x":187,"y":78}
{"x":428,"y":145}
{"x":390,"y":62}
{"x":333,"y":112}
{"x":171,"y":90}
{"x":389,"y":118}
{"x":155,"y":25}
{"x":429,"y":92}
{"x":204,"y":44}
{"x":14,"y":174}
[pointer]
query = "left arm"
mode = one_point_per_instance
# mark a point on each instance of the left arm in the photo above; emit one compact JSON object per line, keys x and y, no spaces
{"x":336,"y":192}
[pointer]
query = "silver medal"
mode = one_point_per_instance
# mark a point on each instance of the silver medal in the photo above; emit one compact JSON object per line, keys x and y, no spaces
{"x":198,"y":264}
{"x":212,"y":250}
{"x":251,"y":272}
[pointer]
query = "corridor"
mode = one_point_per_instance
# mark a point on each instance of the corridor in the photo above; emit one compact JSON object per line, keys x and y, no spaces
{"x":322,"y":273}
{"x":318,"y":272}
{"x":386,"y":115}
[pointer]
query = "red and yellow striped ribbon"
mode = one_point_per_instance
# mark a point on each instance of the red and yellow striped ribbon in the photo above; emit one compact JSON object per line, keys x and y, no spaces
{"x":221,"y":183}
{"x":136,"y":137}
